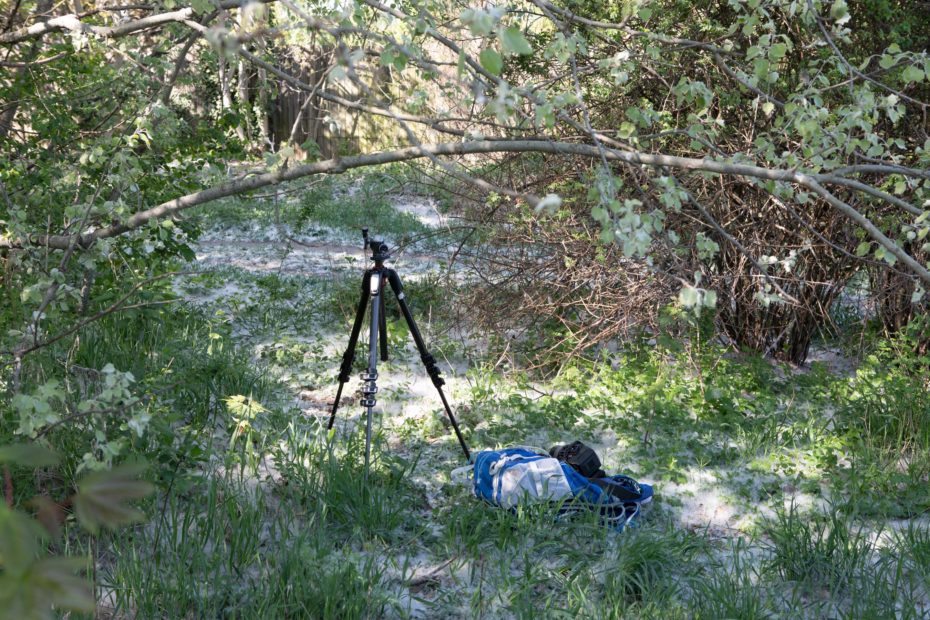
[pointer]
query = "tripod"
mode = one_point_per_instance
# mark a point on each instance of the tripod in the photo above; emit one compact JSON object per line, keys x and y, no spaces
{"x":373,"y":289}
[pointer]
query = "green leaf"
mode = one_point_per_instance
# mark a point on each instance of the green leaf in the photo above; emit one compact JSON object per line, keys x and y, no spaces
{"x":778,"y":51}
{"x":101,"y":496}
{"x":840,"y":12}
{"x":201,"y":7}
{"x":882,"y":254}
{"x":55,"y":583}
{"x":19,"y":536}
{"x":688,"y":296}
{"x":28,"y":455}
{"x":47,"y":588}
{"x":863,"y":248}
{"x":491,"y":61}
{"x":912,"y":74}
{"x":513,"y":42}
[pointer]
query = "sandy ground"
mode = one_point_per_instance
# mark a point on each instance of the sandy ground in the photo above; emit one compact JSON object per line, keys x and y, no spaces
{"x":701,"y":503}
{"x":406,"y":391}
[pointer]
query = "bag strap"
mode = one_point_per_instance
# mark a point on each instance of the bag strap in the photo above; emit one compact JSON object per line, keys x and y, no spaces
{"x":620,"y":487}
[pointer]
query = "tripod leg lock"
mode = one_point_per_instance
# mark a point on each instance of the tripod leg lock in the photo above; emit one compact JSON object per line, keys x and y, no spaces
{"x":345,"y":369}
{"x":432,"y":369}
{"x":368,"y":389}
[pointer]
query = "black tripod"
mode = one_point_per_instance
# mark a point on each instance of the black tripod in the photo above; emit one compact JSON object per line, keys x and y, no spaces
{"x":373,"y":289}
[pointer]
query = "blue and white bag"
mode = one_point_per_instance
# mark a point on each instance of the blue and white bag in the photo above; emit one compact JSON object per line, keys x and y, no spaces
{"x":514,"y":476}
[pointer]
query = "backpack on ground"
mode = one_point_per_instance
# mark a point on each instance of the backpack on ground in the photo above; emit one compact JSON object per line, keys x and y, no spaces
{"x":513,"y":476}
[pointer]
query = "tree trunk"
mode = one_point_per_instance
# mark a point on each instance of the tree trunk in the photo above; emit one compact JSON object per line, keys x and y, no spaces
{"x":242,"y":91}
{"x":225,"y":94}
{"x":264,"y":120}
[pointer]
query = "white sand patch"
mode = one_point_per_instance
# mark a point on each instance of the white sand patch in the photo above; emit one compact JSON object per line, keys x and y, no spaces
{"x":424,"y":209}
{"x":220,"y":296}
{"x":311,"y":258}
{"x":836,"y":361}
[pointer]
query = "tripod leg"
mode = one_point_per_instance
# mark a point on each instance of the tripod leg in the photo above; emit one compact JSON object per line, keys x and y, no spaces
{"x":428,"y":360}
{"x":370,"y":388}
{"x":383,"y":329}
{"x":345,"y":370}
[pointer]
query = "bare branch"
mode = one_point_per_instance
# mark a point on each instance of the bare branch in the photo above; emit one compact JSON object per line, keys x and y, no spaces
{"x":870,"y":228}
{"x":73,"y":23}
{"x":339,"y":165}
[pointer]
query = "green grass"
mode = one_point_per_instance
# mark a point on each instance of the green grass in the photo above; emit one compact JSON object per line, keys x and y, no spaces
{"x":368,"y":206}
{"x":262,"y":513}
{"x":224,"y":549}
{"x":230,"y":537}
{"x":734,"y":591}
{"x":817,"y":551}
{"x":344,"y":204}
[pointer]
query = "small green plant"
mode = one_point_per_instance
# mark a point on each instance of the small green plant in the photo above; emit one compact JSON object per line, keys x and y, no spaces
{"x":340,"y":209}
{"x":732,"y":591}
{"x":817,"y":550}
{"x":644,"y":568}
{"x":912,"y":548}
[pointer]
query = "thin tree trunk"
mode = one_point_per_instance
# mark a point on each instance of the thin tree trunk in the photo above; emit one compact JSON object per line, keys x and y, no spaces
{"x":179,"y":65}
{"x":264,"y":118}
{"x":244,"y":129}
{"x":242,"y":90}
{"x":224,"y":83}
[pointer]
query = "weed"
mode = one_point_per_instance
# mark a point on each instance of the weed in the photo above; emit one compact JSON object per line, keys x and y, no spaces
{"x":912,"y":549}
{"x":362,"y":206}
{"x":816,"y":550}
{"x":732,"y":591}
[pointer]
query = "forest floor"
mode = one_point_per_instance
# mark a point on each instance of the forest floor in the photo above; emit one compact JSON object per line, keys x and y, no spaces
{"x":767,"y":502}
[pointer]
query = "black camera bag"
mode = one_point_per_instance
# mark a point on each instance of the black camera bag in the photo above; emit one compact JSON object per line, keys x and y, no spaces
{"x":585,"y":461}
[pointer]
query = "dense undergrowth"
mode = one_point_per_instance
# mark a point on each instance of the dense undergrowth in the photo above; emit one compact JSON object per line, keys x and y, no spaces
{"x":782,"y":492}
{"x":278,"y":522}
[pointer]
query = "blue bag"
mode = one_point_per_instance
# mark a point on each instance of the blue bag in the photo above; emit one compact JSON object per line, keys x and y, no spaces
{"x":513,"y":476}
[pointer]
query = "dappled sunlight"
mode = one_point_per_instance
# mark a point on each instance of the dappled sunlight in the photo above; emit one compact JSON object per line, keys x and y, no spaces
{"x":654,"y":341}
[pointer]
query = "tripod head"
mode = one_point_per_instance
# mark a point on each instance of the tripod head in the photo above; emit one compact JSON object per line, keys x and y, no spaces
{"x":380,"y":250}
